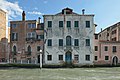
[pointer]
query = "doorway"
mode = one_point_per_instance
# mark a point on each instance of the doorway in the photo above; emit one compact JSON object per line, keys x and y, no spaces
{"x":68,"y":57}
{"x":115,"y":60}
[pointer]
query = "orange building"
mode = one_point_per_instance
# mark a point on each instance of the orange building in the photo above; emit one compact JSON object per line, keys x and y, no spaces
{"x":3,"y":36}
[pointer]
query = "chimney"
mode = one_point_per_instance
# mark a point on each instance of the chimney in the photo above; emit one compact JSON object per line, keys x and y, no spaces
{"x":39,"y":20}
{"x":101,"y":29}
{"x":83,"y":11}
{"x":23,"y":16}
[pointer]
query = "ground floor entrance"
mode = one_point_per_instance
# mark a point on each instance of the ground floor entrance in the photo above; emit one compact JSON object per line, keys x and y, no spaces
{"x":68,"y":57}
{"x":115,"y":60}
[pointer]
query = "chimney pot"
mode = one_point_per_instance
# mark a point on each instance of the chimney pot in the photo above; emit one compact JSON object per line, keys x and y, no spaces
{"x":23,"y":16}
{"x":83,"y":11}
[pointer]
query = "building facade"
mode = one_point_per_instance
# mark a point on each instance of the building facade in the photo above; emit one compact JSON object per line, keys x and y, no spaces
{"x":107,"y":45}
{"x":26,"y":41}
{"x":3,"y":36}
{"x":69,"y":38}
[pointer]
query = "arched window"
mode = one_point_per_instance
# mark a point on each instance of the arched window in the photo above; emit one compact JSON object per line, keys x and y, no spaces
{"x":14,"y":48}
{"x":68,"y":41}
{"x":29,"y":49}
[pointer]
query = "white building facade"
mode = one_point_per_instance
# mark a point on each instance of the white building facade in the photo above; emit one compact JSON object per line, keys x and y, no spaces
{"x":69,"y":38}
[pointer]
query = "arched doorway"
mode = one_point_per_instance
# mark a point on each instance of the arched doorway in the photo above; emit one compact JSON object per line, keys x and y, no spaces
{"x":114,"y":60}
{"x":68,"y":57}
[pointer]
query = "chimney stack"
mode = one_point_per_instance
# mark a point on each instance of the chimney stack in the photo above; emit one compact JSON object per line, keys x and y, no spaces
{"x":23,"y":16}
{"x":101,"y":29}
{"x":39,"y":20}
{"x":83,"y":11}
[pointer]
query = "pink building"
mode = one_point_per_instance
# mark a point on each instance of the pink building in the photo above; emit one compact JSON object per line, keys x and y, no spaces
{"x":107,"y":46}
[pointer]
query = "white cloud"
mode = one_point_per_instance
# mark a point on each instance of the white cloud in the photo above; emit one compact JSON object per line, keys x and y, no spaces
{"x":35,"y":13}
{"x":13,"y":9}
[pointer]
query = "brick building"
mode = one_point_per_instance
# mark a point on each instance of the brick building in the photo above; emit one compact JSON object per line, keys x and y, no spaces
{"x":26,"y":40}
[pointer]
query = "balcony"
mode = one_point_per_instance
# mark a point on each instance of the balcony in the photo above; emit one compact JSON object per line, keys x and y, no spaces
{"x":68,"y":48}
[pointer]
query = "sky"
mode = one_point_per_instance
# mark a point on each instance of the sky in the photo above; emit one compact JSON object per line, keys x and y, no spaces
{"x":107,"y":12}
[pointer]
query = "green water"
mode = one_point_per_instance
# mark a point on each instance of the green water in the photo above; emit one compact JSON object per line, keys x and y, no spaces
{"x":61,"y":74}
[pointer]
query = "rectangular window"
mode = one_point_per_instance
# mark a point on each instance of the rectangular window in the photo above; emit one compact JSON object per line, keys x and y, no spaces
{"x":76,"y":23}
{"x":96,"y":36}
{"x":38,"y":48}
{"x":60,"y":23}
{"x":49,"y":24}
{"x":14,"y":25}
{"x":87,"y":42}
{"x":60,"y":42}
{"x":14,"y":36}
{"x":60,"y":57}
{"x":49,"y":57}
{"x":49,"y":42}
{"x":96,"y":58}
{"x":106,"y":48}
{"x":96,"y":48}
{"x":76,"y":57}
{"x":87,"y":57}
{"x":76,"y":42}
{"x":69,"y":24}
{"x":33,"y":25}
{"x":106,"y":57}
{"x":31,"y":35}
{"x":87,"y":24}
{"x":114,"y":49}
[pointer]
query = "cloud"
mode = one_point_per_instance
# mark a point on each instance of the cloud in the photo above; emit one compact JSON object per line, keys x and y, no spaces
{"x":13,"y":9}
{"x":35,"y":13}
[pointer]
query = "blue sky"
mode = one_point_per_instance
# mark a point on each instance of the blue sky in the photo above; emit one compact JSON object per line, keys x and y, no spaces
{"x":107,"y":12}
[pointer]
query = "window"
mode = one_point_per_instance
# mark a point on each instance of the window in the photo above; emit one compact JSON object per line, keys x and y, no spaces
{"x":87,"y":42}
{"x":106,"y":48}
{"x":31,"y":35}
{"x":49,"y":42}
{"x":49,"y":24}
{"x":40,"y":37}
{"x":69,"y":24}
{"x":96,"y":58}
{"x":76,"y":57}
{"x":60,"y":23}
{"x":96,"y":36}
{"x":29,"y":48}
{"x":76,"y":42}
{"x":14,"y":48}
{"x":114,"y":49}
{"x":60,"y":42}
{"x":87,"y":24}
{"x":106,"y":57}
{"x":87,"y":57}
{"x":96,"y":48}
{"x":14,"y":25}
{"x":14,"y":36}
{"x":31,"y":25}
{"x":38,"y":48}
{"x":76,"y":23}
{"x":68,"y":41}
{"x":60,"y":57}
{"x":49,"y":57}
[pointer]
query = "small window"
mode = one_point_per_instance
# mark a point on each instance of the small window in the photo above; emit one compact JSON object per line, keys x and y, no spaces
{"x":96,"y":36}
{"x":60,"y":57}
{"x":87,"y":42}
{"x":60,"y":42}
{"x":14,"y":25}
{"x":49,"y":42}
{"x":76,"y":23}
{"x":87,"y":57}
{"x":29,"y":25}
{"x":76,"y":57}
{"x":114,"y":49}
{"x":96,"y":58}
{"x":68,"y":24}
{"x":49,"y":57}
{"x":106,"y":48}
{"x":38,"y":48}
{"x":33,"y":25}
{"x":14,"y":36}
{"x":87,"y":24}
{"x":60,"y":23}
{"x":96,"y":48}
{"x":76,"y":42}
{"x":49,"y":24}
{"x":106,"y":57}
